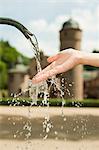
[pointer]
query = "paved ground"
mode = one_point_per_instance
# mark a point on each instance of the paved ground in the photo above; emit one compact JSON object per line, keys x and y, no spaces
{"x":41,"y":111}
{"x":49,"y":145}
{"x":76,"y":129}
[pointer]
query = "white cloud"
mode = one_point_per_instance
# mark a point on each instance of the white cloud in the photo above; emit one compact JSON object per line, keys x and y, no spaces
{"x":89,"y":22}
{"x":90,"y":45}
{"x":48,"y":32}
{"x":72,"y":1}
{"x":24,"y":46}
{"x":38,"y":25}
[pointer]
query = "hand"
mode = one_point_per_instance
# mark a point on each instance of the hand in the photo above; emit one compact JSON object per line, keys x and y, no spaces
{"x":62,"y":62}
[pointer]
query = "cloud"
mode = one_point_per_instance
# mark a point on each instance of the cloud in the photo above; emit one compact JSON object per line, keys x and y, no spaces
{"x":89,"y":23}
{"x":48,"y":32}
{"x":88,"y":20}
{"x":72,"y":1}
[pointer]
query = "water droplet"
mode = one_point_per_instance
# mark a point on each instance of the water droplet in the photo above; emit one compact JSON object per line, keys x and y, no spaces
{"x":9,"y":118}
{"x":55,"y":132}
{"x":74,"y":129}
{"x":70,"y":84}
{"x":14,"y":135}
{"x":64,"y":119}
{"x":45,"y":137}
{"x":62,"y":127}
{"x":14,"y":123}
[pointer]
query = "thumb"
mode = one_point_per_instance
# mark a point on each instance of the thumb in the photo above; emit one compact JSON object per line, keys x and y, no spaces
{"x":53,"y":58}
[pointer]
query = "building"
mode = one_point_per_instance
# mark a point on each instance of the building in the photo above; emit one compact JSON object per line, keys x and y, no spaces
{"x":91,"y":84}
{"x":71,"y":81}
{"x":17,"y":79}
{"x":70,"y":37}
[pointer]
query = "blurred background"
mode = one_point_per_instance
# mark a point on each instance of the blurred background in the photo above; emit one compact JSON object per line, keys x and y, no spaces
{"x":58,"y":25}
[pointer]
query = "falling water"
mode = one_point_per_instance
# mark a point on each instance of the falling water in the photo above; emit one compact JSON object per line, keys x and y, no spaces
{"x":42,"y":87}
{"x":47,"y":125}
{"x":33,"y":91}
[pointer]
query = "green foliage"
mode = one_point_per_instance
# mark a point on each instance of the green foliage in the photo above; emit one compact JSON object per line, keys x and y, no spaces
{"x":52,"y":102}
{"x":9,"y":54}
{"x":90,"y":68}
{"x":8,"y":59}
{"x":25,"y":60}
{"x":3,"y":75}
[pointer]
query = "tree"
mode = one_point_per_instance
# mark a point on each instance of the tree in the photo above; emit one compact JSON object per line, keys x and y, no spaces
{"x":8,"y":59}
{"x":3,"y":75}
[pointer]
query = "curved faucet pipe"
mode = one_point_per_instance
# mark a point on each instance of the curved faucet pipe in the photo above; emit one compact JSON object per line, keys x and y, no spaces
{"x":16,"y":24}
{"x":19,"y":26}
{"x":23,"y":29}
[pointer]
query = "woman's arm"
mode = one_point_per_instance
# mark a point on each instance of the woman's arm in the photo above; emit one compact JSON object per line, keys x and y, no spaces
{"x":64,"y":61}
{"x":90,"y":59}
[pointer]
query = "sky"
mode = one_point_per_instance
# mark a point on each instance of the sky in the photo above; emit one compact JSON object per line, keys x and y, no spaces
{"x":44,"y":18}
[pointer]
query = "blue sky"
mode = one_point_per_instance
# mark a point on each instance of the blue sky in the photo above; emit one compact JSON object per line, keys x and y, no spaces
{"x":45,"y":18}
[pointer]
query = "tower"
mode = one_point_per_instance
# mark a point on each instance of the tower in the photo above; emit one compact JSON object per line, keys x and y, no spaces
{"x":72,"y":81}
{"x":16,"y":77}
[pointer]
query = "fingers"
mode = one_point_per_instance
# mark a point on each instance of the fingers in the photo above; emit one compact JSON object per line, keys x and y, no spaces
{"x":47,"y":74}
{"x":56,"y":70}
{"x":52,"y":65}
{"x":55,"y":61}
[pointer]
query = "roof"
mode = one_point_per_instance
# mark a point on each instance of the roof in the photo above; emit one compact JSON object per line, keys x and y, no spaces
{"x":71,"y":24}
{"x":19,"y":68}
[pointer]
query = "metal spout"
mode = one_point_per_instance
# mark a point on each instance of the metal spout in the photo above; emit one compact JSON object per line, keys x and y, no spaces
{"x":16,"y":24}
{"x":32,"y":38}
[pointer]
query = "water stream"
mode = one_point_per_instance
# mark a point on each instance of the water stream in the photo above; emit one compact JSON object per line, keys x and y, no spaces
{"x":34,"y":90}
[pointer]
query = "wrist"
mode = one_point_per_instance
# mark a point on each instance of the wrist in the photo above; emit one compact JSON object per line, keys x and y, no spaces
{"x":85,"y":58}
{"x":81,"y":58}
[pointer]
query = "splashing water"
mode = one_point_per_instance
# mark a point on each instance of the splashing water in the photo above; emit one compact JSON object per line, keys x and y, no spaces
{"x":33,"y":90}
